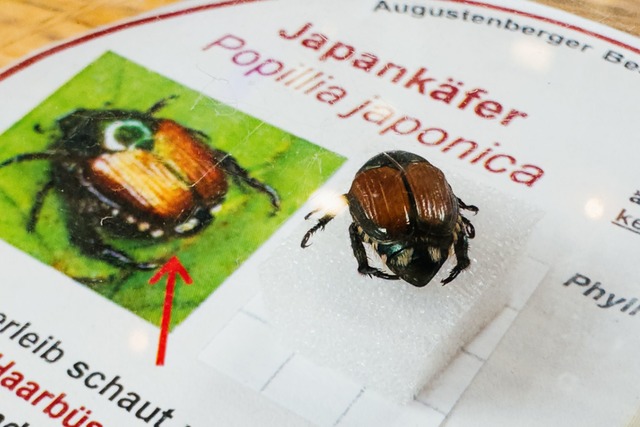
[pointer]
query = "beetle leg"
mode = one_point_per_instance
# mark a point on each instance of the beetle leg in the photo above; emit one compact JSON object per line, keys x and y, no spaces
{"x":469,"y":229}
{"x":463,"y":205}
{"x":84,"y":235}
{"x":86,"y":238}
{"x":361,"y":256}
{"x":320,"y":225}
{"x":34,"y":214}
{"x":461,"y":248}
{"x":232,"y":167}
{"x":25,"y":157}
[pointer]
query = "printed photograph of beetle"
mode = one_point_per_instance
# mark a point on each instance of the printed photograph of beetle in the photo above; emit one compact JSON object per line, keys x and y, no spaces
{"x":108,"y":187}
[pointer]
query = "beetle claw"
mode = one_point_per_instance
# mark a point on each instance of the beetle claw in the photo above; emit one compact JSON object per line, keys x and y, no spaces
{"x":305,"y":239}
{"x":372,"y":271}
{"x":452,"y":275}
{"x":319,"y":226}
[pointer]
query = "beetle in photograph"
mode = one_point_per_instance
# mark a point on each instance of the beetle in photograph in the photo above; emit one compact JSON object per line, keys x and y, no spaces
{"x":405,"y":209}
{"x":126,"y":173}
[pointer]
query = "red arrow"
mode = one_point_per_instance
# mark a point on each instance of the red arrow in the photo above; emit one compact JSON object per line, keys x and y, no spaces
{"x":172,"y":268}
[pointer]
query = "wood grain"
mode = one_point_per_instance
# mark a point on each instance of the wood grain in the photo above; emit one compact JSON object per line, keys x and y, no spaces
{"x":30,"y":25}
{"x":620,"y":14}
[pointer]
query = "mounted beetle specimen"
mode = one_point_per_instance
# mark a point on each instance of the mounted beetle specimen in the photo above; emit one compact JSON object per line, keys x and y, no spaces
{"x":126,"y":173}
{"x":404,"y":208}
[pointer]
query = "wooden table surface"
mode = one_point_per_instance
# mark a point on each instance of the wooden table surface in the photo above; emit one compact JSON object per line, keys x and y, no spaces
{"x":29,"y":25}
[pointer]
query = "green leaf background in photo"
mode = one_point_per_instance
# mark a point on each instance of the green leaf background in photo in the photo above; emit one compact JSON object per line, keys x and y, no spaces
{"x":291,"y":165}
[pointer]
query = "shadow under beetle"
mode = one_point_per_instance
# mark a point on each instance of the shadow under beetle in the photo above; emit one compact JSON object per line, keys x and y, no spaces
{"x":126,"y":173}
{"x":405,"y":209}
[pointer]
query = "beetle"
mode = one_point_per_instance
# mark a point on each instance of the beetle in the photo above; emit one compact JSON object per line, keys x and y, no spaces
{"x":404,"y":208}
{"x":128,"y":173}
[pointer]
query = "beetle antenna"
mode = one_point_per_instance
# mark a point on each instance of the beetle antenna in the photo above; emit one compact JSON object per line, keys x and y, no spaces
{"x":34,"y":214}
{"x":160,"y":104}
{"x":471,"y":208}
{"x":24,"y":157}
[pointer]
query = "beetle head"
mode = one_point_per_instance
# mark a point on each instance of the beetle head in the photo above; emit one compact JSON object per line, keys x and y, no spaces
{"x":89,"y":133}
{"x":416,"y":266}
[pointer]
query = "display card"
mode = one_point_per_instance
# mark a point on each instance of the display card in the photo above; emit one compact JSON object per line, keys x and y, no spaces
{"x":156,"y":181}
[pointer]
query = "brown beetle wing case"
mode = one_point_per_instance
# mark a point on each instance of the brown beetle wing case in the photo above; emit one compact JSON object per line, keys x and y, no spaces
{"x":378,"y":198}
{"x":166,"y":182}
{"x":436,"y":205}
{"x":140,"y":180}
{"x":193,"y":162}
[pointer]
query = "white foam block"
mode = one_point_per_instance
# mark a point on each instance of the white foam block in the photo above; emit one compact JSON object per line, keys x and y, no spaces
{"x":388,"y":335}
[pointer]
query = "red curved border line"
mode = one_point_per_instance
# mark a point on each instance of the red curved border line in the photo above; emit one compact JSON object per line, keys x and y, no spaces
{"x":63,"y":46}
